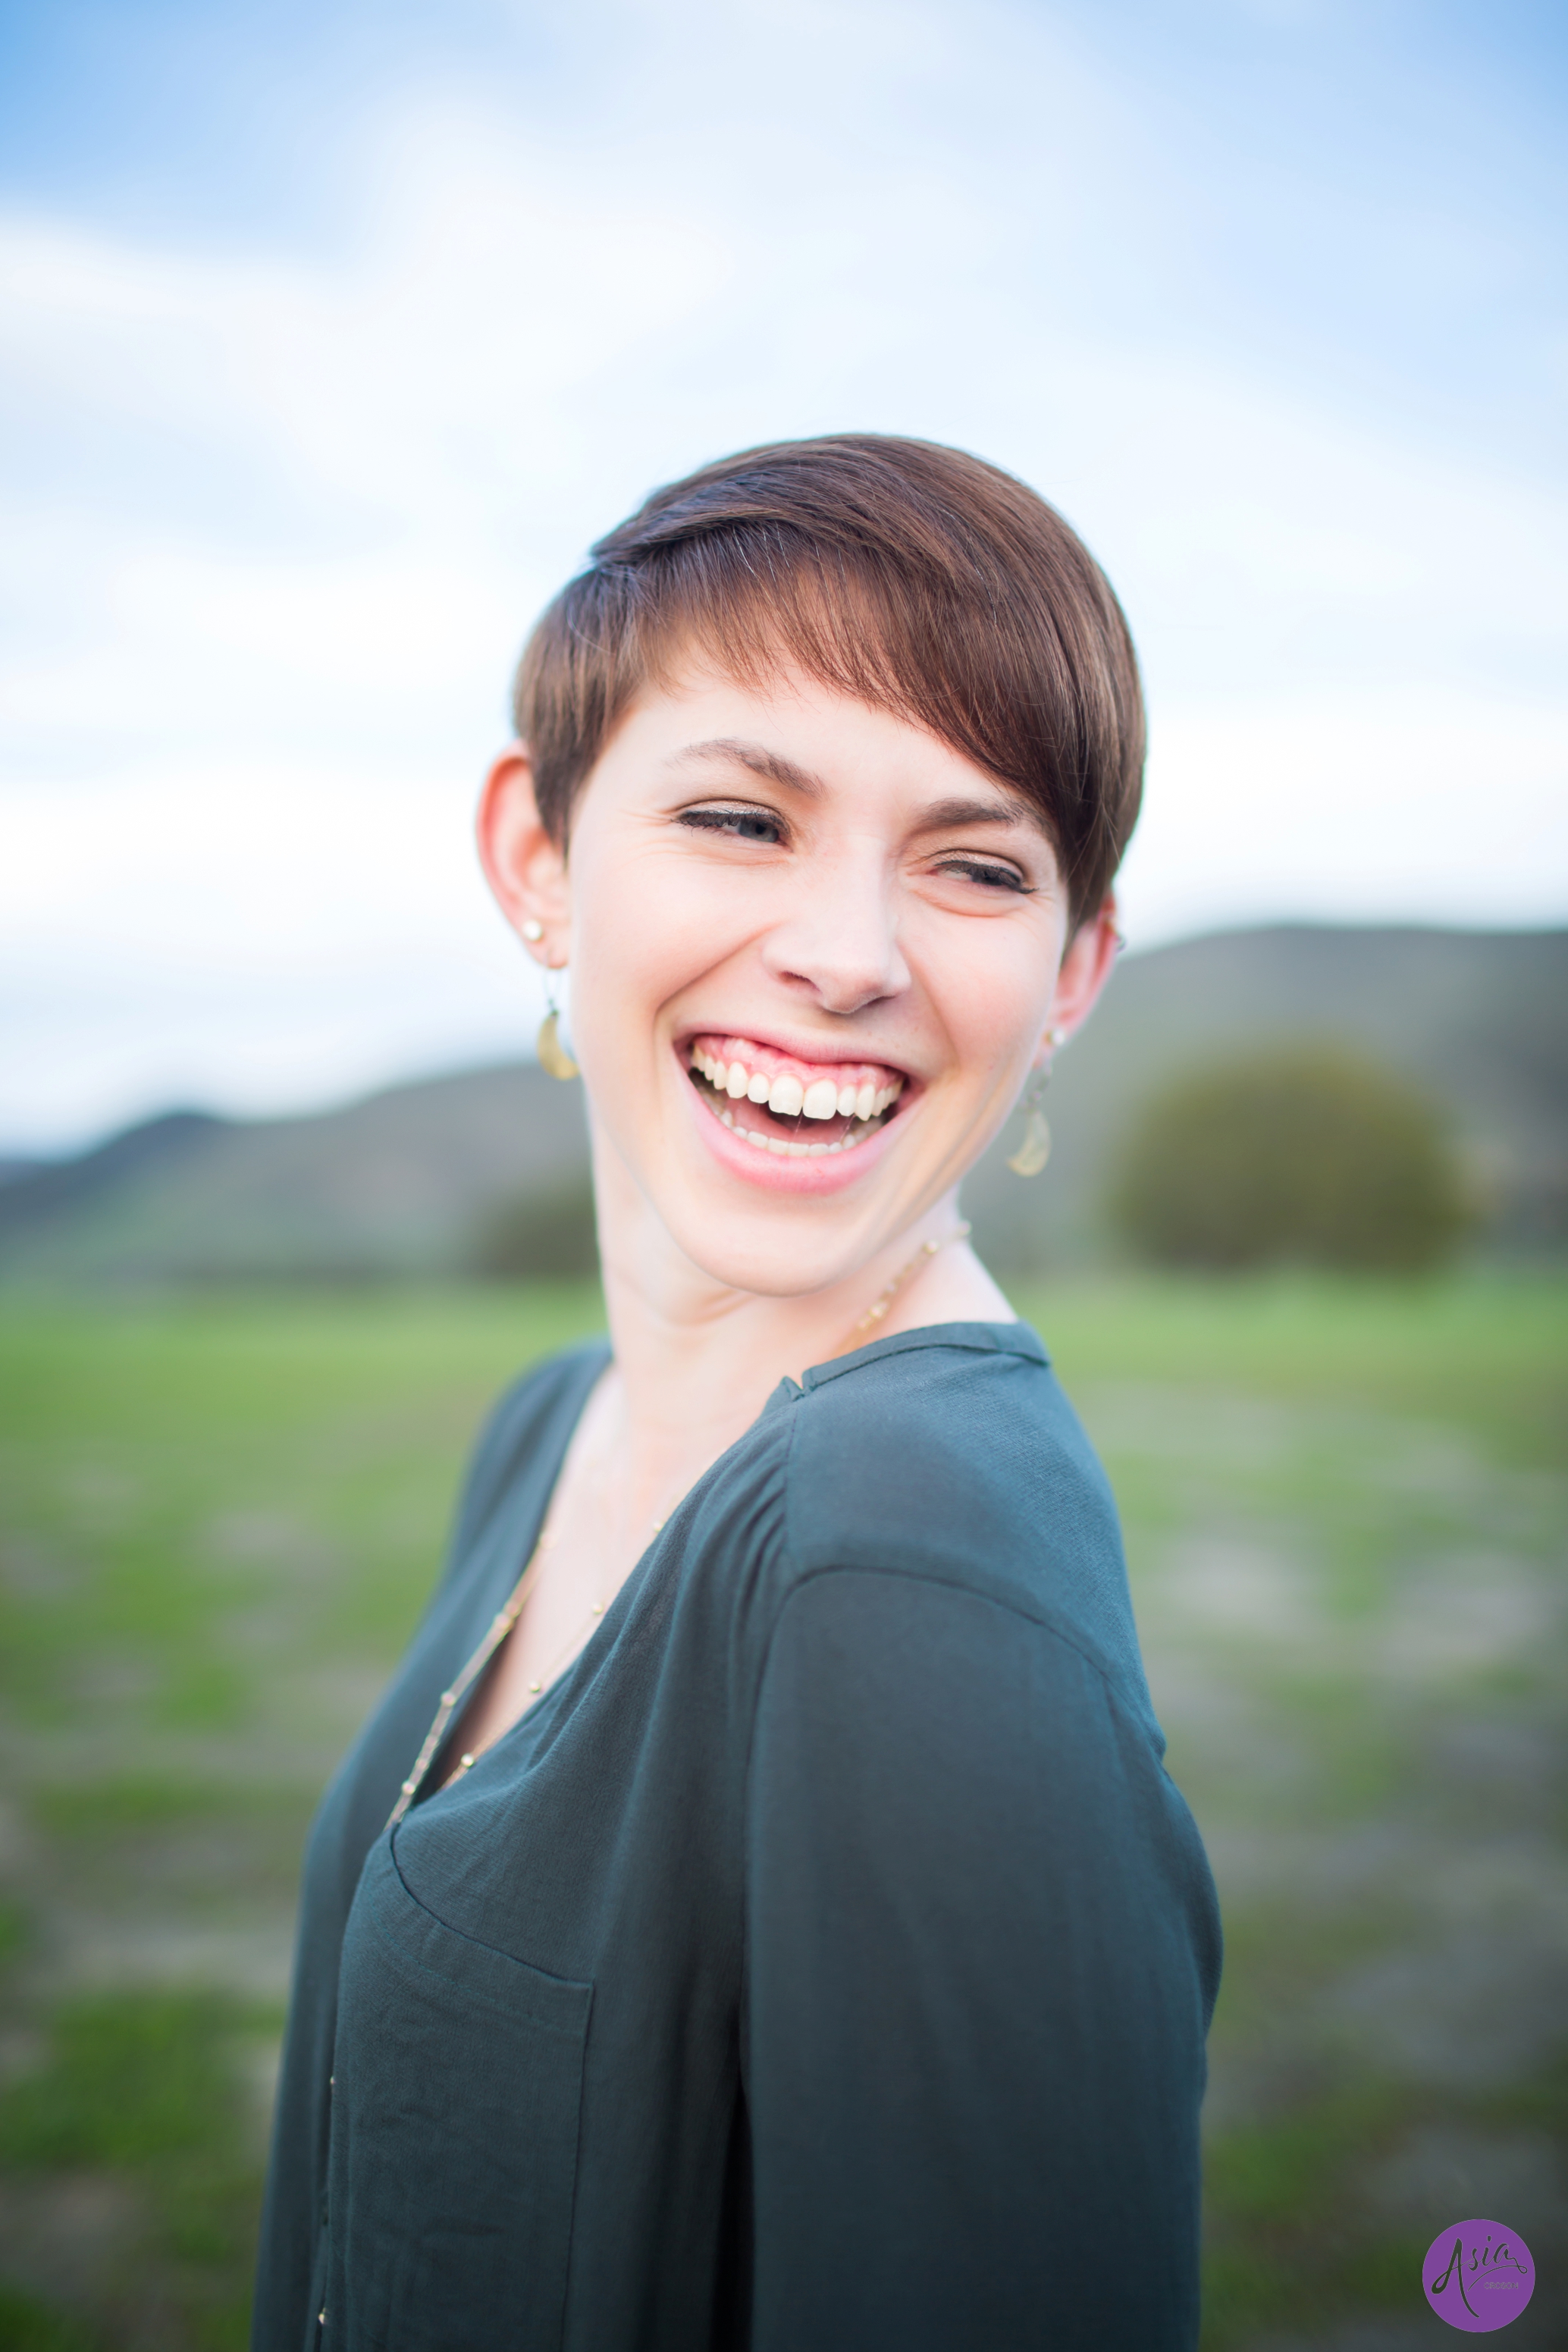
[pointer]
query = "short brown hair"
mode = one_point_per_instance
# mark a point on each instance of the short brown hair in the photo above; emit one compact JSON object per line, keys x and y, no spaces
{"x":915,"y":577}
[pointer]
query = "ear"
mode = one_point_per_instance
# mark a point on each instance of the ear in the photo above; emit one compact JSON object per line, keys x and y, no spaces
{"x":524,"y":867}
{"x":1087,"y":965}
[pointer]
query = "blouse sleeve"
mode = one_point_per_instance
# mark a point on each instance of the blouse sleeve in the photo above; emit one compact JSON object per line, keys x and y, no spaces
{"x":982,"y":1951}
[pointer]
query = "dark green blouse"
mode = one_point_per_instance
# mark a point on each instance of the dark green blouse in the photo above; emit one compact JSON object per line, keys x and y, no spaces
{"x":821,"y":1965}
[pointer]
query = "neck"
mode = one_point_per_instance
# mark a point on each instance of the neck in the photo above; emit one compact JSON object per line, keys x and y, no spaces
{"x":696,"y":1360}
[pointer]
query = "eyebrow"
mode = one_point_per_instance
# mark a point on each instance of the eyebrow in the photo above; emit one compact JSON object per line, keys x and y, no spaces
{"x":946,"y":816}
{"x":773,"y":765}
{"x":943,"y":816}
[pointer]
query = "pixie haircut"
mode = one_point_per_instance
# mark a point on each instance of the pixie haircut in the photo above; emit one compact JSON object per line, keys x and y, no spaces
{"x":918,"y":579}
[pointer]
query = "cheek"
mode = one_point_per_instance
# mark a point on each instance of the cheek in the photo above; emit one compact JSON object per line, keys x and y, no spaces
{"x":644,"y":927}
{"x":992,"y":990}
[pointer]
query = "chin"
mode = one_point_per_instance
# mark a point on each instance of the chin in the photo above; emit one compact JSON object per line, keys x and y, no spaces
{"x":776,"y":1226}
{"x":769,"y":1256}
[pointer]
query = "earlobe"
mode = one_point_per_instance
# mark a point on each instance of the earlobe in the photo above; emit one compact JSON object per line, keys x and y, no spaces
{"x":1087,"y":965}
{"x":522,"y":863}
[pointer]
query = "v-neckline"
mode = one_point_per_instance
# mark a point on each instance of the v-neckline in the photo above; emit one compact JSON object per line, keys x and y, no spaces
{"x":1013,"y":1338}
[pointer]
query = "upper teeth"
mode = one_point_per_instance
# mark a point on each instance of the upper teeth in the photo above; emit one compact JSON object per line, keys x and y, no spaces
{"x":786,"y":1095}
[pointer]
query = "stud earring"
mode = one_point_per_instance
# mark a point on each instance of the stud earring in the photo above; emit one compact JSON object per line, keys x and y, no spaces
{"x":533,"y":930}
{"x":1035,"y":1148}
{"x":553,"y":1054}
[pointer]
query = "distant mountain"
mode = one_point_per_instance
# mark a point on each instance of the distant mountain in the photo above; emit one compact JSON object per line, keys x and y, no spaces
{"x":395,"y":1186}
{"x":417,"y":1181}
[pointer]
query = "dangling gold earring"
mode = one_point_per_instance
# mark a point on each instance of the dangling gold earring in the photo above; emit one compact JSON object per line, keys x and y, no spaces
{"x":553,"y":1054}
{"x":1035,"y":1148}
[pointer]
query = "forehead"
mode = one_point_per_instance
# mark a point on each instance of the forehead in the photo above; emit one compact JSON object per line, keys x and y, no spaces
{"x":799,"y":734}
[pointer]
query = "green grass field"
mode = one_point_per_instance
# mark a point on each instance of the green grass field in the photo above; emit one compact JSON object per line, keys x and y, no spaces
{"x":1345,"y":1511}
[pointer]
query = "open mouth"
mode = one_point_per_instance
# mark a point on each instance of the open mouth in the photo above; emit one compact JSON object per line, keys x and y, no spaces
{"x":795,"y":1110}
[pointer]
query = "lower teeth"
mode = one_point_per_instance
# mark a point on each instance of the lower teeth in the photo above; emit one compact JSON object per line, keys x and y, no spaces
{"x":780,"y":1148}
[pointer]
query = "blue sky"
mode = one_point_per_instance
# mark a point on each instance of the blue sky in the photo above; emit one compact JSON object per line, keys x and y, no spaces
{"x":332,"y":334}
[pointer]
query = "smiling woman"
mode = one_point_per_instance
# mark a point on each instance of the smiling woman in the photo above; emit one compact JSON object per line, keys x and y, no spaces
{"x":779,"y":1931}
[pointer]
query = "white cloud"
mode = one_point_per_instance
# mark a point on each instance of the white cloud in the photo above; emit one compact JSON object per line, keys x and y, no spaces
{"x":1407,"y":806}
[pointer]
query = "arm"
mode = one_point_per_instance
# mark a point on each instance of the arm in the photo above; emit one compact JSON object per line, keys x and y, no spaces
{"x":981,"y":1959}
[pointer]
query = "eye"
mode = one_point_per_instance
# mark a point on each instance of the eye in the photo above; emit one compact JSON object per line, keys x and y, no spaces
{"x":990,"y":877}
{"x":739,"y":823}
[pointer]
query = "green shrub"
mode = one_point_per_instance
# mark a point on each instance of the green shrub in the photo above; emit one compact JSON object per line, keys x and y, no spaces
{"x":1307,"y":1155}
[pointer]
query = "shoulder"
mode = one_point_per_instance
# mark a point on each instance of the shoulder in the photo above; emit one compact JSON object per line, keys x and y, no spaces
{"x":951,"y":1455}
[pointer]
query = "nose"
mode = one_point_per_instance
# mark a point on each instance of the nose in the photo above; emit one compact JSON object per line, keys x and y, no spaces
{"x":839,"y":939}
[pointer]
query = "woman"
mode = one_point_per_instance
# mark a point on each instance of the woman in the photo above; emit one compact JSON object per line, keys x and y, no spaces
{"x":757,"y":1914}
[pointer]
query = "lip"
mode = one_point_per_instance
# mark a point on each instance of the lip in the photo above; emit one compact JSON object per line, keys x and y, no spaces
{"x":828,"y":1053}
{"x":768,"y":1173}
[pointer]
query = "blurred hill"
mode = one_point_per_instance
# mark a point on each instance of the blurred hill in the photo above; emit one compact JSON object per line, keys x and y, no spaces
{"x":409,"y":1182}
{"x":1478,"y":1019}
{"x":392,"y":1187}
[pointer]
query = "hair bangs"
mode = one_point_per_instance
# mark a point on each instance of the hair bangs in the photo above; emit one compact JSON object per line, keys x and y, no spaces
{"x":914,"y":578}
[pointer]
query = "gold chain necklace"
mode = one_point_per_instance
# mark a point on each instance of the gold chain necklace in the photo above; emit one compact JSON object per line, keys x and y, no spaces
{"x":856,"y":1336}
{"x":502,"y":1623}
